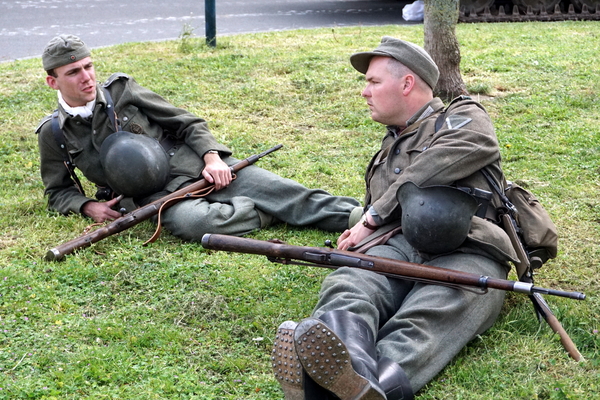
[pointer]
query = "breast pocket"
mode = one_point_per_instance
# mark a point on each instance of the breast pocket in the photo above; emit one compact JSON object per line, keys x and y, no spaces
{"x":416,"y":149}
{"x":133,"y":121}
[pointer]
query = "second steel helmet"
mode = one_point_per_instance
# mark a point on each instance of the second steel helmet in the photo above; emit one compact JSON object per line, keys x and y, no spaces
{"x":435,"y":219}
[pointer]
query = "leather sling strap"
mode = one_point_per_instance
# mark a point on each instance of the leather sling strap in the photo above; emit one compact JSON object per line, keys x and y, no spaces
{"x":60,"y":140}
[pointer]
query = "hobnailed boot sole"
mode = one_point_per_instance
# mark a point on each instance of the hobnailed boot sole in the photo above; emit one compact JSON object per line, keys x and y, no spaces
{"x":327,"y":361}
{"x":286,"y":366}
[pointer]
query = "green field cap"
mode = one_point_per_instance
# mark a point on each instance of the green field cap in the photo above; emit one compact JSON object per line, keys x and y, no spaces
{"x":63,"y":50}
{"x":409,"y":54}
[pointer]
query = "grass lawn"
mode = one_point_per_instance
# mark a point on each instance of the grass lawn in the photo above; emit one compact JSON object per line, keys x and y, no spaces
{"x":175,"y":321}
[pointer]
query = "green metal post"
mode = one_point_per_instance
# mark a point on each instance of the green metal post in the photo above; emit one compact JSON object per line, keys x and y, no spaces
{"x":210,"y":16}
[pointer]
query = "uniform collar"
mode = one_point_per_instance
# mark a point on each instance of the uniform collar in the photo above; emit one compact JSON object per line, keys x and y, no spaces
{"x":63,"y":114}
{"x":434,"y":105}
{"x":428,"y":109}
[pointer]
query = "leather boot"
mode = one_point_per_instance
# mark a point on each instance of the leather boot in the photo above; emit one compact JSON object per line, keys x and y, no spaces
{"x":288,"y":370}
{"x":393,"y":380}
{"x":338,"y":352}
{"x":286,"y":366}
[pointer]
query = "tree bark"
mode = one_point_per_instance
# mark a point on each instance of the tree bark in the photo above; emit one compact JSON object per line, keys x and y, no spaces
{"x":441,"y":17}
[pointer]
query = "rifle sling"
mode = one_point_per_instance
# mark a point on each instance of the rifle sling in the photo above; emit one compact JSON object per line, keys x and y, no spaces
{"x":191,"y":195}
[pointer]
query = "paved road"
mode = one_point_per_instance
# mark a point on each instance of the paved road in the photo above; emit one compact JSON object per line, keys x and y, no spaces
{"x":27,"y":25}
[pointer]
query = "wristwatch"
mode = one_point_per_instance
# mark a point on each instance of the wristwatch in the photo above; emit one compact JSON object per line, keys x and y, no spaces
{"x":367,"y":225}
{"x":212,"y":152}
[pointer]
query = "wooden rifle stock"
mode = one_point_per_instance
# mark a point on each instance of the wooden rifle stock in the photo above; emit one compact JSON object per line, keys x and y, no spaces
{"x":143,"y":213}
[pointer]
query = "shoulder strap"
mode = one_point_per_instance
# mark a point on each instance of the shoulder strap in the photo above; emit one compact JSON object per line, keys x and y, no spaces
{"x":505,"y":200}
{"x":60,"y":141}
{"x":110,"y":110}
{"x":440,"y":121}
{"x":110,"y":105}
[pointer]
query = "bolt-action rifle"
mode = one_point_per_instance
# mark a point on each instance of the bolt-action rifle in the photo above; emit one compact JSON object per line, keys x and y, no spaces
{"x":196,"y":189}
{"x":277,"y":251}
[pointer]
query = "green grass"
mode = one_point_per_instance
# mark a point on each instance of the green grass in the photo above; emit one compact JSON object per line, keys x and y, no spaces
{"x":175,"y":321}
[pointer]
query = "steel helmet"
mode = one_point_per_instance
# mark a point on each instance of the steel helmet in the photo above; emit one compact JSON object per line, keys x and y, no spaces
{"x":134,"y":165}
{"x":435,"y":219}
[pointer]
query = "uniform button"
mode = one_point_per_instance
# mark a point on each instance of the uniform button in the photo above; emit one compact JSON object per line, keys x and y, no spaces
{"x":397,"y":170}
{"x":125,"y":118}
{"x":397,"y":151}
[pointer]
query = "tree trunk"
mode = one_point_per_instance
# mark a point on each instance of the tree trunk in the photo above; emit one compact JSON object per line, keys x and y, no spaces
{"x":441,"y":17}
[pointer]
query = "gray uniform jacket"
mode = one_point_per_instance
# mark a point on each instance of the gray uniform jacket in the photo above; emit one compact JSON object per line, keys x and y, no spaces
{"x":139,"y":110}
{"x":454,"y":155}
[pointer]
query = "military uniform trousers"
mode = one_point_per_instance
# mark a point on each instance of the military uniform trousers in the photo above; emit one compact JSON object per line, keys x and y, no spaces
{"x":420,"y":326}
{"x":255,"y":198}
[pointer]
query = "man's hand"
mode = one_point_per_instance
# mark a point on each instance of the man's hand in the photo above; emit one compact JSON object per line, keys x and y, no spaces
{"x":216,"y":171}
{"x":103,"y":211}
{"x":352,"y":237}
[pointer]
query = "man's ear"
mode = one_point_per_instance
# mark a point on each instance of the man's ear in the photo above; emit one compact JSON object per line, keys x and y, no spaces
{"x":51,"y":81}
{"x":408,"y":84}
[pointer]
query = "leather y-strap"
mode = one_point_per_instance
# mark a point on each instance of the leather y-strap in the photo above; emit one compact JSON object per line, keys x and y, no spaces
{"x":60,"y":140}
{"x":110,"y":110}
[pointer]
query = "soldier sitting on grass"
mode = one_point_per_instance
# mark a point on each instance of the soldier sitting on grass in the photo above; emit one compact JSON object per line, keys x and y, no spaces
{"x":159,"y":148}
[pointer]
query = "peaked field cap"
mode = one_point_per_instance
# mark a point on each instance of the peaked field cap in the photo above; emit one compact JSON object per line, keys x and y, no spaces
{"x":63,"y":50}
{"x":409,"y":54}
